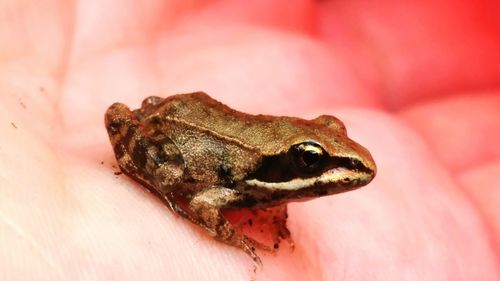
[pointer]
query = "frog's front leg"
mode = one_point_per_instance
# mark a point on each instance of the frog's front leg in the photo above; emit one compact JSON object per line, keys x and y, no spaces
{"x":206,"y":207}
{"x":280,"y":232}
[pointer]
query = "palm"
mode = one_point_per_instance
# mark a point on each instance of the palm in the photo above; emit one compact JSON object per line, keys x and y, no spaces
{"x":64,"y":214}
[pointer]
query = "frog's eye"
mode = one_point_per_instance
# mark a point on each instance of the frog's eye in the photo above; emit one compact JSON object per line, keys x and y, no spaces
{"x":308,"y":156}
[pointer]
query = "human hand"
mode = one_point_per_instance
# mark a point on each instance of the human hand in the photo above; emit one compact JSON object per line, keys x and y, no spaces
{"x":407,"y":80}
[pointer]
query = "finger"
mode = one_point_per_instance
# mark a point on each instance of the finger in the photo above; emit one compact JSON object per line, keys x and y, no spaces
{"x":290,"y":15}
{"x":462,"y":131}
{"x":482,"y":185}
{"x":417,"y":49}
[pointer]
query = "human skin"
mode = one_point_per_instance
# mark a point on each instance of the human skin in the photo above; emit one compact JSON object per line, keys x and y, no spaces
{"x":416,"y":83}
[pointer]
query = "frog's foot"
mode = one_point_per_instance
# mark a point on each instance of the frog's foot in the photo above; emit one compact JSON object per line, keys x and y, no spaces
{"x":282,"y":232}
{"x":274,"y":221}
{"x":169,"y":199}
{"x":259,"y":245}
{"x":206,"y":208}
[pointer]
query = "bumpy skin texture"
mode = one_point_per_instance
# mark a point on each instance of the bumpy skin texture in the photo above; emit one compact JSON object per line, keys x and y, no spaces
{"x":416,"y":82}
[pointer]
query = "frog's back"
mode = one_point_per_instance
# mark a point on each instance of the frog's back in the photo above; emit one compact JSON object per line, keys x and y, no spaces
{"x":202,"y":111}
{"x":258,"y":131}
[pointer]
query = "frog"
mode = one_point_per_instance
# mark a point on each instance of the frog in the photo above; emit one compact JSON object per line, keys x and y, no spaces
{"x":201,"y":157}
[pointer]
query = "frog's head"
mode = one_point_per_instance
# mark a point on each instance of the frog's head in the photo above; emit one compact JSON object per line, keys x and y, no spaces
{"x":315,"y":158}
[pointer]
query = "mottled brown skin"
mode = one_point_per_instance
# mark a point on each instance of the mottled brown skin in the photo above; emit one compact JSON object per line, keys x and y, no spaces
{"x":191,"y":148}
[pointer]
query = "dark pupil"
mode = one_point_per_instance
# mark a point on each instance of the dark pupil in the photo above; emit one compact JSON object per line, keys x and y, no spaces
{"x":310,"y":157}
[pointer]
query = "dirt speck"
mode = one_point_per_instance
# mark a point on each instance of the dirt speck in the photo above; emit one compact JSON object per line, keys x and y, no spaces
{"x":22,"y":104}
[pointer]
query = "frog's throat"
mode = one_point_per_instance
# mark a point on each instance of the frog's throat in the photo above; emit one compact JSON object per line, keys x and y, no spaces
{"x":339,"y":177}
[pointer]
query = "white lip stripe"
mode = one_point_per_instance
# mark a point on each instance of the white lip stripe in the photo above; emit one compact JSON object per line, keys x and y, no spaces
{"x":295,"y":184}
{"x":288,"y":185}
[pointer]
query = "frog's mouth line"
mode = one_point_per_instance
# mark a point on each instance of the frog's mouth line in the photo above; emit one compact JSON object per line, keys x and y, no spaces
{"x":339,"y":177}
